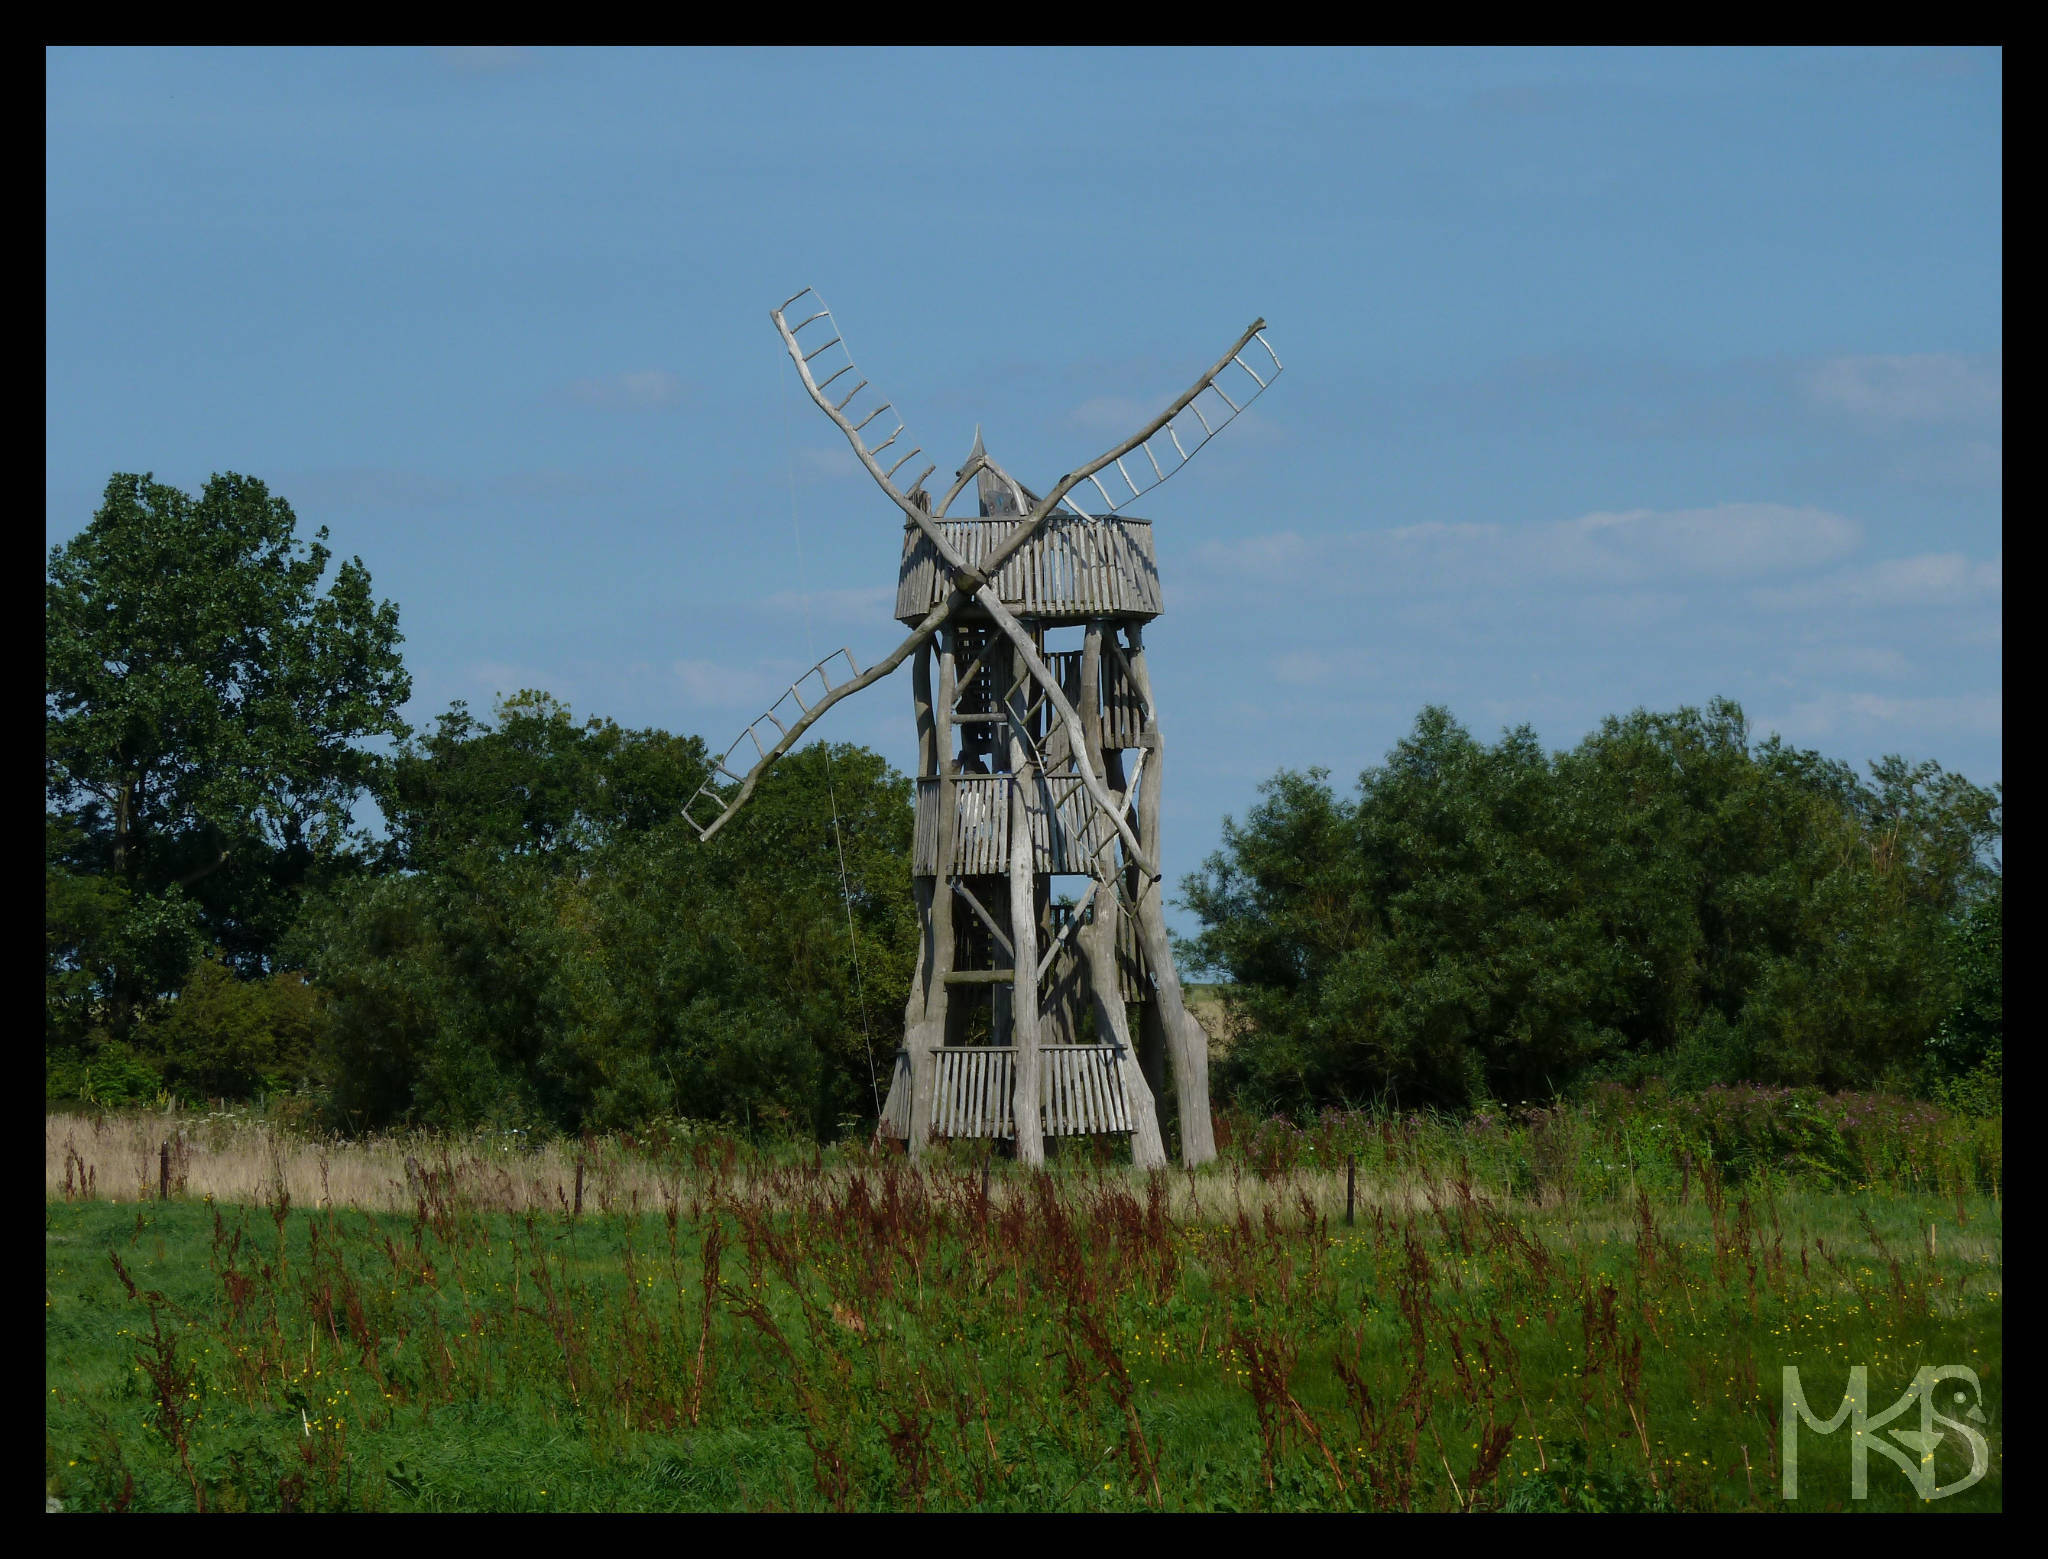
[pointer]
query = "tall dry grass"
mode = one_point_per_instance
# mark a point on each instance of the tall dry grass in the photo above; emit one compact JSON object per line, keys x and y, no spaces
{"x":245,"y":1160}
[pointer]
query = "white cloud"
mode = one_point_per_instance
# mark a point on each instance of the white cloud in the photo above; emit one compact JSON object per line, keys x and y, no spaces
{"x":717,"y":686}
{"x":1848,"y":660}
{"x":863,"y":606}
{"x":1932,"y":387}
{"x":366,"y":487}
{"x":1316,"y":668}
{"x":835,"y":462}
{"x":1118,"y":416}
{"x":1632,"y":547}
{"x":1931,"y":579}
{"x":645,"y":387}
{"x":1966,"y":463}
{"x":1730,"y":539}
{"x":1834,"y":713}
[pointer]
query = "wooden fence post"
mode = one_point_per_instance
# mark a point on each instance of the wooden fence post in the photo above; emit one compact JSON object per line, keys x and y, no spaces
{"x":163,"y":1172}
{"x":579,"y":1188}
{"x":1350,"y":1186}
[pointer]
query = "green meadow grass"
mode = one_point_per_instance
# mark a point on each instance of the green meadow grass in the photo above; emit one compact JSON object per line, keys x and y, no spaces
{"x":863,"y":1336}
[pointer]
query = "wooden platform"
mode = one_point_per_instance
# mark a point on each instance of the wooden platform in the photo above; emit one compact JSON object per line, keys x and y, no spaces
{"x":1072,"y":571}
{"x":1081,"y":1087}
{"x":1066,"y":828}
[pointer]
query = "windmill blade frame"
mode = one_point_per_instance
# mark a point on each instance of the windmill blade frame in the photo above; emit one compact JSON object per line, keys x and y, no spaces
{"x":1183,"y":416}
{"x":859,"y":407}
{"x":968,"y":583}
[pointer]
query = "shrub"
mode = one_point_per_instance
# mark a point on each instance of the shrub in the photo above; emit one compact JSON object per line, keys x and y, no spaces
{"x":231,"y":1038}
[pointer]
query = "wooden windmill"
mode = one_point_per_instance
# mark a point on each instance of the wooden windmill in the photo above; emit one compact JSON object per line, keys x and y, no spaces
{"x":1022,"y":773}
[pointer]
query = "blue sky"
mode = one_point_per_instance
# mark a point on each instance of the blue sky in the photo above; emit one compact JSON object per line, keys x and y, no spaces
{"x":1614,"y":378}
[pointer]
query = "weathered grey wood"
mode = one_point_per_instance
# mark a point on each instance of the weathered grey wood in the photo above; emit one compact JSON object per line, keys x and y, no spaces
{"x":1023,"y":935}
{"x":1091,"y":699}
{"x":1064,"y":984}
{"x":925,"y":1014}
{"x":1186,"y":1040}
{"x":1072,"y":569}
{"x":1099,"y":940}
{"x":1028,"y":662}
{"x":1062,"y":806}
{"x":922,"y":707}
{"x":935,"y":619}
{"x":975,"y":583}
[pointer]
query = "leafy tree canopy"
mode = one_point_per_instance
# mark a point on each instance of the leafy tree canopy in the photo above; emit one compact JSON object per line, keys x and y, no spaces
{"x":562,"y":951}
{"x":207,"y":708}
{"x":537,"y":785}
{"x":1667,"y":895}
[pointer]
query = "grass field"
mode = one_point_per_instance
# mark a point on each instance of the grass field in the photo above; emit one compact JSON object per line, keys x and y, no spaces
{"x":1561,"y":1310}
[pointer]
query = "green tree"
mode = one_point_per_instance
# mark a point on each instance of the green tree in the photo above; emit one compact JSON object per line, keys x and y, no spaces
{"x":537,"y":785}
{"x":561,"y":950}
{"x":228,"y":1037}
{"x":207,"y":706}
{"x":1965,"y":1063}
{"x":1666,"y":896}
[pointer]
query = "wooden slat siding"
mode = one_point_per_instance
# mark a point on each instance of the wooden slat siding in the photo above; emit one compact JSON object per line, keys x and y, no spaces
{"x":981,"y":845}
{"x":1099,"y":1091}
{"x":1080,"y":1111}
{"x":1094,"y":1101}
{"x":1091,"y":1115}
{"x":1113,"y":1082}
{"x":1064,"y":841}
{"x":1083,"y":1093}
{"x":1100,"y":1108}
{"x":966,"y":1109}
{"x":1123,"y":716}
{"x":1071,"y":571}
{"x":1123,"y":712}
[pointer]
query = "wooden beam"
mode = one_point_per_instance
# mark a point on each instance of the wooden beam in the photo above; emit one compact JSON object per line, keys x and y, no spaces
{"x":1098,"y":940}
{"x":1186,"y":1040}
{"x":1023,"y":932}
{"x":926,"y":1015}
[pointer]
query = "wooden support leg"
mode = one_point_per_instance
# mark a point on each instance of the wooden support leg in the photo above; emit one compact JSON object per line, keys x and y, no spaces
{"x":1185,"y":1038}
{"x":1024,"y":940}
{"x":924,"y":1029}
{"x":1152,"y":1057}
{"x":1186,"y":1041}
{"x":1098,"y":950}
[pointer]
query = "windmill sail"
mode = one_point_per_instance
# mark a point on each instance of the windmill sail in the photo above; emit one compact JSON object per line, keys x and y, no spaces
{"x":1217,"y":400}
{"x":872,"y":424}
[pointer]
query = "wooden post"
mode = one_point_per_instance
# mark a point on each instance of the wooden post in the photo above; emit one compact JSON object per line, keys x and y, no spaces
{"x":1098,"y":940}
{"x":925,"y":1016}
{"x":579,"y":1188}
{"x":1350,"y":1186}
{"x":1023,"y":928}
{"x":163,"y":1172}
{"x":1186,"y":1040}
